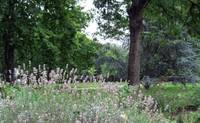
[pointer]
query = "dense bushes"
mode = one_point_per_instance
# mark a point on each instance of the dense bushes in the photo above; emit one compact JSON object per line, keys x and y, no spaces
{"x":112,"y":62}
{"x":175,"y":60}
{"x":170,"y":58}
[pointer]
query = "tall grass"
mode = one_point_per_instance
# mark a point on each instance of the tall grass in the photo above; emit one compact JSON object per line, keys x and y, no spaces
{"x":39,"y":95}
{"x":68,"y":103}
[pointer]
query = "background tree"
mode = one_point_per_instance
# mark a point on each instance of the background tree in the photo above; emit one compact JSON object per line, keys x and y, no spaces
{"x":44,"y":32}
{"x":114,"y":21}
{"x":17,"y":20}
{"x":112,"y":62}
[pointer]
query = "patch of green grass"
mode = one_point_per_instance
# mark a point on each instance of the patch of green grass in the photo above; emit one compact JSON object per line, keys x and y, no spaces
{"x":191,"y":117}
{"x":173,"y":99}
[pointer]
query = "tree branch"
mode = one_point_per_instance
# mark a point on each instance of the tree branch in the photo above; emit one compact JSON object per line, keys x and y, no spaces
{"x":194,"y":3}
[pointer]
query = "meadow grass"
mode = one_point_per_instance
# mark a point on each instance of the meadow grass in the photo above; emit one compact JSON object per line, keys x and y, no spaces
{"x":177,"y":101}
{"x":75,"y":103}
{"x":99,"y":103}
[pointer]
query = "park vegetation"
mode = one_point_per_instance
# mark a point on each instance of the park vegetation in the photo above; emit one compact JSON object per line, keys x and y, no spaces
{"x":52,"y":71}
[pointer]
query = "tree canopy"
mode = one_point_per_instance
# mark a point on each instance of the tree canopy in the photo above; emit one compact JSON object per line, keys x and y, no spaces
{"x":160,"y":20}
{"x":44,"y":32}
{"x":161,"y":36}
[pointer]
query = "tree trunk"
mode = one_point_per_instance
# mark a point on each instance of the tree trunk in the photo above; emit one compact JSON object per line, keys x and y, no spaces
{"x":8,"y":38}
{"x":8,"y":58}
{"x":135,"y":25}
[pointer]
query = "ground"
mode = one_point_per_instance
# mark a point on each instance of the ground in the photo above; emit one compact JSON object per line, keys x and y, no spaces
{"x":177,"y":100}
{"x":99,"y":102}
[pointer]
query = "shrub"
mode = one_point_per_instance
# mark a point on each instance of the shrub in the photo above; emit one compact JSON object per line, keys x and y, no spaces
{"x":169,"y":58}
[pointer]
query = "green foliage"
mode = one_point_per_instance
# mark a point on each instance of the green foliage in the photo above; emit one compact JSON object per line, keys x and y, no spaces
{"x":112,"y":62}
{"x":55,"y":103}
{"x":113,"y":17}
{"x":108,"y":70}
{"x":85,"y":52}
{"x":124,"y":91}
{"x":92,"y":71}
{"x":171,"y":51}
{"x":165,"y":38}
{"x":169,"y":58}
{"x":47,"y":32}
{"x":191,"y":117}
{"x":177,"y":100}
{"x":196,"y":98}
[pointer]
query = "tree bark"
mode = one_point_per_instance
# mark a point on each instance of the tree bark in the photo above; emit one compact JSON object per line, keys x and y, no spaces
{"x":8,"y":58}
{"x":8,"y":39}
{"x":135,"y":25}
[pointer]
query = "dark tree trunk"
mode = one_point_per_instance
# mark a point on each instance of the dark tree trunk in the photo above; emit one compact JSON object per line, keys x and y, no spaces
{"x":135,"y":25}
{"x":8,"y":58}
{"x":8,"y":39}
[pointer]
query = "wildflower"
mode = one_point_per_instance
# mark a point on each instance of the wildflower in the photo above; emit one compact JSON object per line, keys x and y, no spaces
{"x":167,"y":108}
{"x":78,"y":121}
{"x":124,"y":116}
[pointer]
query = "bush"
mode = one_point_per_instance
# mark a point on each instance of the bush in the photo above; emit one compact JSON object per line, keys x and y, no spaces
{"x":169,"y":58}
{"x":112,"y":62}
{"x":195,"y":98}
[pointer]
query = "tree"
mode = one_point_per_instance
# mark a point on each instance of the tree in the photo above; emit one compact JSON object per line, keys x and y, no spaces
{"x":85,"y":52}
{"x":113,"y":21}
{"x":41,"y":31}
{"x":112,"y":62}
{"x":8,"y":38}
{"x":17,"y":19}
{"x":136,"y":13}
{"x":59,"y":23}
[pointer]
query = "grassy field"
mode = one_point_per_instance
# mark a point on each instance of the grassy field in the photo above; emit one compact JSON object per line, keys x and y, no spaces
{"x":99,"y":103}
{"x":177,"y":101}
{"x":74,"y":103}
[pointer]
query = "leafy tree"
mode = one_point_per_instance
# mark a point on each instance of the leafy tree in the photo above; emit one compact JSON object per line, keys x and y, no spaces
{"x":17,"y":19}
{"x":62,"y":19}
{"x":118,"y":16}
{"x":112,"y":62}
{"x":174,"y":58}
{"x":41,"y":31}
{"x":169,"y":52}
{"x":85,"y":52}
